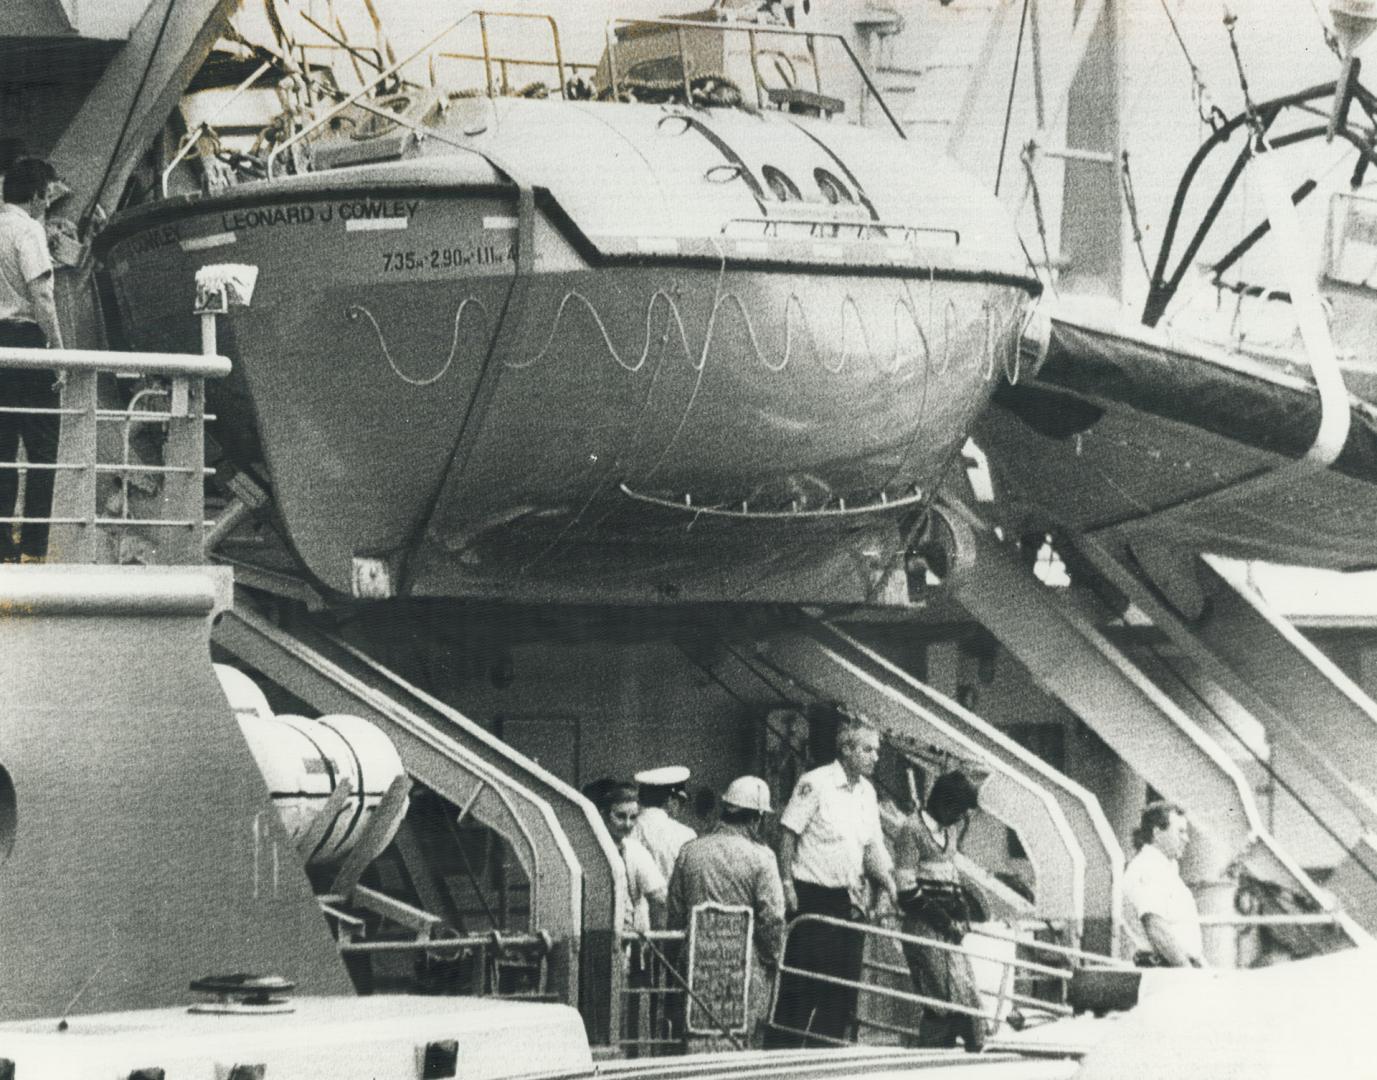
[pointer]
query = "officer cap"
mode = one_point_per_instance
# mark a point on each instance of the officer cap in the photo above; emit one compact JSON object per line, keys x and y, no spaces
{"x":668,"y":776}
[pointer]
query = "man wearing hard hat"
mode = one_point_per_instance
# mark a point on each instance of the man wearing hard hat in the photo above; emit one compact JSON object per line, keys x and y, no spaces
{"x":731,"y":866}
{"x":662,"y":794}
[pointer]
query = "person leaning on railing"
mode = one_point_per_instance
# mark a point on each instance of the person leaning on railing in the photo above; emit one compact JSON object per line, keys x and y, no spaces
{"x":28,"y":319}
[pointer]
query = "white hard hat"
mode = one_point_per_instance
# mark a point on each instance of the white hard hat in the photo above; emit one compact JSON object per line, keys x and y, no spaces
{"x":748,"y":793}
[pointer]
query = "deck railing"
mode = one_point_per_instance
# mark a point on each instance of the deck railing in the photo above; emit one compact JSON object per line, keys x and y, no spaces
{"x":652,"y":992}
{"x":654,"y":985}
{"x":86,"y":511}
{"x":994,"y":1009}
{"x":753,"y":32}
{"x":496,"y":69}
{"x":360,"y":97}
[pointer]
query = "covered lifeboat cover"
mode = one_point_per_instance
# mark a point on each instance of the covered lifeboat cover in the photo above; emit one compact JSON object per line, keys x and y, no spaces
{"x":304,"y":760}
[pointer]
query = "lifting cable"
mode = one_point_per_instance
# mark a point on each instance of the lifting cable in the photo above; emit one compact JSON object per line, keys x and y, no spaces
{"x":1131,"y":203}
{"x":89,"y":212}
{"x":1027,"y":158}
{"x":1209,"y":114}
{"x":1009,"y":106}
{"x":1254,"y":120}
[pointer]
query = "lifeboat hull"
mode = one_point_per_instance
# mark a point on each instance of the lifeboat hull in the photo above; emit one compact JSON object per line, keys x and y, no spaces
{"x":733,"y":420}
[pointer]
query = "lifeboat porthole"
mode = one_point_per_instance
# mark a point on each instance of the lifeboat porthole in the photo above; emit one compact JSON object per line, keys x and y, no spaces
{"x":833,"y":190}
{"x":784,"y":189}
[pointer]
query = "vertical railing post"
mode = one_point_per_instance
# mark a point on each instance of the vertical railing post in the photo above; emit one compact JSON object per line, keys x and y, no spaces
{"x":1006,"y":991}
{"x":617,"y":1004}
{"x":73,"y":537}
{"x":755,"y":69}
{"x":683,"y":67}
{"x":611,"y":31}
{"x":487,"y":52}
{"x":559,"y":58}
{"x":218,"y":286}
{"x":813,"y":56}
{"x":185,"y":451}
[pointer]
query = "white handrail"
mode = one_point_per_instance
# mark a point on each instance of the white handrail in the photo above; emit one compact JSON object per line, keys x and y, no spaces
{"x":134,"y":363}
{"x":992,"y":1015}
{"x":750,"y":29}
{"x":377,"y":80}
{"x":1321,"y":918}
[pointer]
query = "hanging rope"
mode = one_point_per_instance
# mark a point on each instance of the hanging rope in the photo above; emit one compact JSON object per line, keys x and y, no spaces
{"x":1254,"y":120}
{"x":1126,"y":180}
{"x":1027,"y":158}
{"x":93,"y":209}
{"x":1208,"y":112}
{"x":1009,"y":107}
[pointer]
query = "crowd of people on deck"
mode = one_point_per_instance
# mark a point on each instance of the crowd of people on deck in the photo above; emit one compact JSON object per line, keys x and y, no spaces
{"x":833,"y":863}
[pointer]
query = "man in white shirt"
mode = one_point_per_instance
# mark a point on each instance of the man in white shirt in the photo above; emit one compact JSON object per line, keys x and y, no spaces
{"x":830,"y":844}
{"x":662,"y":796}
{"x":28,"y":319}
{"x":1161,"y":920}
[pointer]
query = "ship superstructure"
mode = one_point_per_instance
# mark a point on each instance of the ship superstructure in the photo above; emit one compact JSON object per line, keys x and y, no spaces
{"x":611,"y":413}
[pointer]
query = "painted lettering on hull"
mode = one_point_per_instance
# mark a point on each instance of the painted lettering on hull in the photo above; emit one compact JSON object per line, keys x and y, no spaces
{"x":447,"y":258}
{"x":375,"y":209}
{"x":151,"y":240}
{"x":259,"y":217}
{"x":267,"y":217}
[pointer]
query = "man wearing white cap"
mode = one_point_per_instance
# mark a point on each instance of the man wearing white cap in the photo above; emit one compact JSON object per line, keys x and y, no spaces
{"x":662,"y":796}
{"x":731,"y":866}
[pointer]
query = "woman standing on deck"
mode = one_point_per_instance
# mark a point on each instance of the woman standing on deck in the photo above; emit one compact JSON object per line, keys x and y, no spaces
{"x":935,"y":905}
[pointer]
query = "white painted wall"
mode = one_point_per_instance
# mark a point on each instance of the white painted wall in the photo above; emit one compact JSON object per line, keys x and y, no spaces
{"x":110,"y":20}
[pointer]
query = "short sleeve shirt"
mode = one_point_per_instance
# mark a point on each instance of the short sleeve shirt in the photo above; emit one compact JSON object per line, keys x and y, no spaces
{"x":662,"y":836}
{"x":836,"y":823}
{"x":643,"y":882}
{"x":1153,"y":886}
{"x":24,"y":258}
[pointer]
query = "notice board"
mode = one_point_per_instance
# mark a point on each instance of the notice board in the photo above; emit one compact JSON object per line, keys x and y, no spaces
{"x":719,"y":968}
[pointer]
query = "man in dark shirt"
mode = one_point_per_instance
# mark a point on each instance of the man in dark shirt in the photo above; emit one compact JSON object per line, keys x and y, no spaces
{"x":731,"y":866}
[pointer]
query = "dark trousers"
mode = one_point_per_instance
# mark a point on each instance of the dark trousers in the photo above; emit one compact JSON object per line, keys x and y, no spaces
{"x":947,"y":976}
{"x":807,"y":1004}
{"x":28,"y":390}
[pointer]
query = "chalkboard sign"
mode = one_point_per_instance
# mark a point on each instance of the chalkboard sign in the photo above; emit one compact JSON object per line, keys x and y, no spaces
{"x":719,"y":969}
